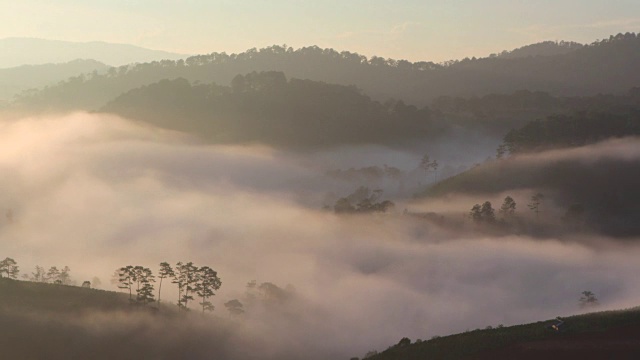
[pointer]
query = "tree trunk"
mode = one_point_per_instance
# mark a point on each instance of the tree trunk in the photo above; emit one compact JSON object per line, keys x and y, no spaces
{"x":159,"y":291}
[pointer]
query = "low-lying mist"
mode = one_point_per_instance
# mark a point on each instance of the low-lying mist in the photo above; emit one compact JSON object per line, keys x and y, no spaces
{"x":98,"y":192}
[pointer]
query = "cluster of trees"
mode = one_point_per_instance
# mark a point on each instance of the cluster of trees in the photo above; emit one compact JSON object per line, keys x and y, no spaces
{"x":53,"y":275}
{"x":486,"y":214}
{"x":363,"y":200}
{"x":190,"y":280}
{"x":9,"y":269}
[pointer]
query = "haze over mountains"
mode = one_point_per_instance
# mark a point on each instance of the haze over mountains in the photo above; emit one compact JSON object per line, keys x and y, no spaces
{"x":377,"y":188}
{"x":608,"y":66}
{"x":29,"y":51}
{"x":14,"y":81}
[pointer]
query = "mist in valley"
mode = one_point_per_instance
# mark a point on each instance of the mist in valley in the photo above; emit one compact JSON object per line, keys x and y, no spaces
{"x":96,"y":192}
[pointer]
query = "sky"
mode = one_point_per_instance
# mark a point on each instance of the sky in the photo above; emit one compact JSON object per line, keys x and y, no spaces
{"x":416,"y":30}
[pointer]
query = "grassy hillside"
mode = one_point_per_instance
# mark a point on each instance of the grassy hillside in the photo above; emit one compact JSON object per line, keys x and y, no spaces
{"x":28,"y":296}
{"x":47,"y":321}
{"x":71,"y":322}
{"x":517,"y":341}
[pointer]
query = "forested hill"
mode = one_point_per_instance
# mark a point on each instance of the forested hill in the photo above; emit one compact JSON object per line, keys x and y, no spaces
{"x":17,"y":79}
{"x":607,"y":66}
{"x":267,"y":108}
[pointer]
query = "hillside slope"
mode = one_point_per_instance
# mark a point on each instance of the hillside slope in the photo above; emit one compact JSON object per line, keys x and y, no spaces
{"x":602,"y":179}
{"x":601,"y":335}
{"x":17,"y":79}
{"x":269,"y":109}
{"x":47,"y":321}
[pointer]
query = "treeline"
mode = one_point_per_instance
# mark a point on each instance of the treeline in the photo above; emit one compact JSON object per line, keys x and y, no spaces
{"x":9,"y":269}
{"x":363,"y":200}
{"x":193,"y":283}
{"x":605,"y":66}
{"x":267,"y":108}
{"x":190,"y":280}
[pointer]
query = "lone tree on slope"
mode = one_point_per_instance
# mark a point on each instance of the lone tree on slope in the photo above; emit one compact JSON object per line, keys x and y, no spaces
{"x":9,"y":268}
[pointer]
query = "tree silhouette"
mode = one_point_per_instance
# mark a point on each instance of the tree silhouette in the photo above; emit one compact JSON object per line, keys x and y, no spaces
{"x":588,"y":299}
{"x":9,"y":268}
{"x":427,"y":165}
{"x":234,"y":307}
{"x":39,"y":275}
{"x":207,"y":282}
{"x":186,"y":277}
{"x":53,"y":274}
{"x":508,"y":208}
{"x":166,"y":271}
{"x":64,"y":276}
{"x":536,"y":200}
{"x":125,"y":279}
{"x":483,"y":213}
{"x":143,"y":277}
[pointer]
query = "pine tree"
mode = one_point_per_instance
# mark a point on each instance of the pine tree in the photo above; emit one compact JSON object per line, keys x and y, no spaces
{"x":166,"y":271}
{"x":508,"y":208}
{"x":186,"y":277}
{"x":9,"y":268}
{"x":53,"y":274}
{"x":143,"y":277}
{"x":534,"y":205}
{"x":208,"y":282}
{"x":125,"y":279}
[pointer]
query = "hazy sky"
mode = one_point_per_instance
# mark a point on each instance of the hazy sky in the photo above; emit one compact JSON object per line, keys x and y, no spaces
{"x":409,"y":29}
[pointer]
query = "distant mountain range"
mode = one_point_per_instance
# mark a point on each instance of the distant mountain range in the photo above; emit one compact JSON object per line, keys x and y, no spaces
{"x":30,"y":51}
{"x":607,"y":66}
